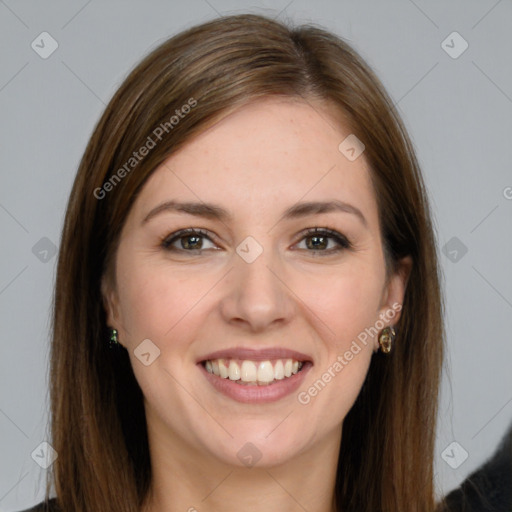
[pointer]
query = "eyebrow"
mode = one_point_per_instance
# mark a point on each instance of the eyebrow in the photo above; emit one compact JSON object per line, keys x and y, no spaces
{"x":215,"y":212}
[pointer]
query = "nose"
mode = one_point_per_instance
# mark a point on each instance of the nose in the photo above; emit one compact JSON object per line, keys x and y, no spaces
{"x":256,"y":298}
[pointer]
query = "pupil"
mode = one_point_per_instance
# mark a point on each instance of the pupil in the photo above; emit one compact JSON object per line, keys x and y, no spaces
{"x":187,"y":245}
{"x":316,"y":242}
{"x":316,"y":245}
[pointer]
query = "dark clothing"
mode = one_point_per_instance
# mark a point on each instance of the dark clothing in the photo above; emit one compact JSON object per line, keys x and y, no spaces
{"x":50,"y":506}
{"x":489,"y":488}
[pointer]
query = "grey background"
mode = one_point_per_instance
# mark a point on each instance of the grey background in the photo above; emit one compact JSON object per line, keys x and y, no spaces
{"x":459,"y":115}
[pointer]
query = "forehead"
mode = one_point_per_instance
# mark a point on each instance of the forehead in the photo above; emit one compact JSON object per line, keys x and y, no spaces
{"x":268,"y":154}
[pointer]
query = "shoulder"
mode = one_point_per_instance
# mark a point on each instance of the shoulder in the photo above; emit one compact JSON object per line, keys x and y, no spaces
{"x":44,"y":506}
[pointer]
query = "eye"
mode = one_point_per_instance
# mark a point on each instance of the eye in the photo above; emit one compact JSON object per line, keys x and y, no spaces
{"x":189,"y":240}
{"x":317,"y":241}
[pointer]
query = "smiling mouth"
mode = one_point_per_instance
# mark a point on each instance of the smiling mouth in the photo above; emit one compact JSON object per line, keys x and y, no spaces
{"x":254,"y":373}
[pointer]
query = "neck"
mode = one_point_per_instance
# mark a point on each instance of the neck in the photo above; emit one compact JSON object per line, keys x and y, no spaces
{"x":185,"y":480}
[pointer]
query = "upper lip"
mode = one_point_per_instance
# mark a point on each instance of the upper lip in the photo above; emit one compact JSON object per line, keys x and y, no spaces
{"x":256,"y":355}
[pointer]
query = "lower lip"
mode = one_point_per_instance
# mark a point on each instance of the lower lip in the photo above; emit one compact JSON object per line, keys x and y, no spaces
{"x":257,"y":394}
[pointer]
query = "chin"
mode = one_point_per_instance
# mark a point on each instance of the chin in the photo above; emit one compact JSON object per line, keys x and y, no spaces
{"x":255,"y":447}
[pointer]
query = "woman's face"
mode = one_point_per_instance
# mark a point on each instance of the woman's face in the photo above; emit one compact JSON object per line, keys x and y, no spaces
{"x":254,"y":293}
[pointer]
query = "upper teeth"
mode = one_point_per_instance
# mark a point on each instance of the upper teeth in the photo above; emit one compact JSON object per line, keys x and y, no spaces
{"x":253,"y":371}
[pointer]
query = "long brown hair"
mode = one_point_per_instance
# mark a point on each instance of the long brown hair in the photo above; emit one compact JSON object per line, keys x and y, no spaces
{"x":97,"y":416}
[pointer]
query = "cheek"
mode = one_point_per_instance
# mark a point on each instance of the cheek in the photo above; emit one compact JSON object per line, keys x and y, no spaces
{"x":346,"y":302}
{"x":346,"y":309}
{"x":346,"y":312}
{"x":156,"y":303}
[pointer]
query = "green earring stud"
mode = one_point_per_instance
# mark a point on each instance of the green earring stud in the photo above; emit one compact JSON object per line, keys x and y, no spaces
{"x":113,"y":338}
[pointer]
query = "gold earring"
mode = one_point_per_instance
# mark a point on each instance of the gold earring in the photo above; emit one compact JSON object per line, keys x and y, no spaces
{"x":386,"y":339}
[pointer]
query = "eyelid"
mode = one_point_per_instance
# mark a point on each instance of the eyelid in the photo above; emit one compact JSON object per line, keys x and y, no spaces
{"x":343,"y":241}
{"x":176,"y":235}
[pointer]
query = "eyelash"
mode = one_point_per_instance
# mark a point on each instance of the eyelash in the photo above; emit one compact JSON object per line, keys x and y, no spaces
{"x":340,"y":239}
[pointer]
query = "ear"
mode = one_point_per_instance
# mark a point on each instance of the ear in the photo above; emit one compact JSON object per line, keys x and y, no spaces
{"x":110,"y":302}
{"x":394,"y":293}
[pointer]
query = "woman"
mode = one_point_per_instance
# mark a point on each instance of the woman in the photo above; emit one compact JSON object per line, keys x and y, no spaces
{"x":247,"y":307}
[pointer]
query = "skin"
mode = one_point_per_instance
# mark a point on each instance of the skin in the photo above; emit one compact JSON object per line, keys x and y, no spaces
{"x":255,"y":162}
